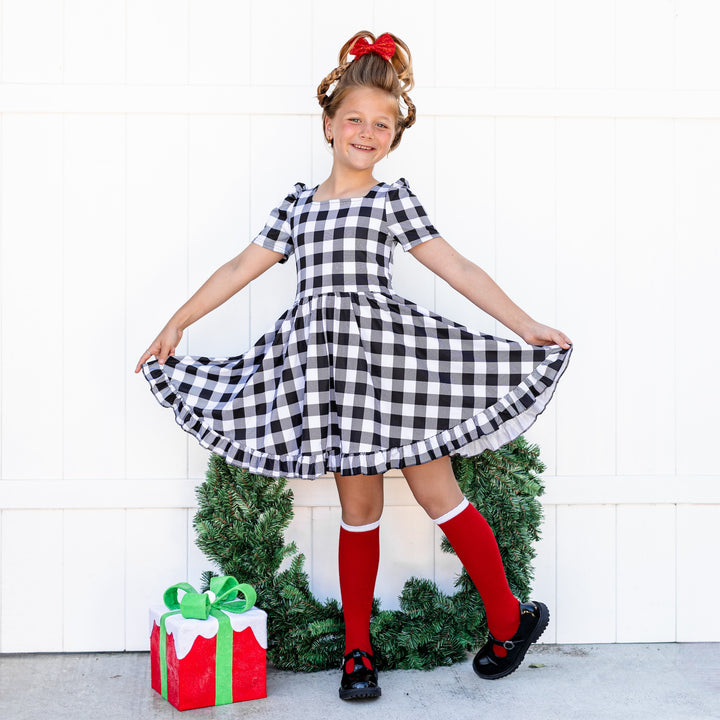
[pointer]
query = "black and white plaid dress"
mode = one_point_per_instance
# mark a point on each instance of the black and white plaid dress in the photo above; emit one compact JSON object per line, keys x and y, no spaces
{"x":354,"y":378}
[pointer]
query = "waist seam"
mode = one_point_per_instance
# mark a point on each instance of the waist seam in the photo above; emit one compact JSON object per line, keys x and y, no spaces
{"x":364,"y":291}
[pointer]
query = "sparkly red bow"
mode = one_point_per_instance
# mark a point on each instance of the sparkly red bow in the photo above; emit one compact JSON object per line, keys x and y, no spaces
{"x":383,"y":46}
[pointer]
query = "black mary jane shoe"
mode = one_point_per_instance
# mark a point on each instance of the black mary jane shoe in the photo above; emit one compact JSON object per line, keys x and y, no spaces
{"x":361,"y":681}
{"x":534,"y":617}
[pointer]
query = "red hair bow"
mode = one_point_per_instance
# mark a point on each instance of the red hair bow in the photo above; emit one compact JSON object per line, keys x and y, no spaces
{"x":383,"y":46}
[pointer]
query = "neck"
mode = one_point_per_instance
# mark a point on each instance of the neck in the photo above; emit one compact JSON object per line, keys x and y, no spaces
{"x":342,"y":183}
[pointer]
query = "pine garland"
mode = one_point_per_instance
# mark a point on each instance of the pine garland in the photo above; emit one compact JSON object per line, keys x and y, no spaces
{"x":241,"y":522}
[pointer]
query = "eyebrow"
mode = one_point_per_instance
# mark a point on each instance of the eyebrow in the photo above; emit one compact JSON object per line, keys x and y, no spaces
{"x":360,"y":112}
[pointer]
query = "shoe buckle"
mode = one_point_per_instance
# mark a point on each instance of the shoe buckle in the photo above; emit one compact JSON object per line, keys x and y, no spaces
{"x":507,"y":644}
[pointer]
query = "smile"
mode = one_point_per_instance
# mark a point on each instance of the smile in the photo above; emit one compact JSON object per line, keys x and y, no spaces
{"x":363,"y":147}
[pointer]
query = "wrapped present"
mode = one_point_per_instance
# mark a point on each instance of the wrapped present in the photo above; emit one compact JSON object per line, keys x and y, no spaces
{"x":208,"y":648}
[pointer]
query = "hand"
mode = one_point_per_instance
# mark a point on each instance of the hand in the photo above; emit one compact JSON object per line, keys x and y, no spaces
{"x":162,"y":346}
{"x":538,"y":334}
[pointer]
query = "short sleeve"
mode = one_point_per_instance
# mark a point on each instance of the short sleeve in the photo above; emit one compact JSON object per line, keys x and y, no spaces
{"x":277,"y":233}
{"x":406,"y":218}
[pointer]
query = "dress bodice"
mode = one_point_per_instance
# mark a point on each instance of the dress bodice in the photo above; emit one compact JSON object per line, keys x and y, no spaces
{"x":342,"y":245}
{"x":346,"y":244}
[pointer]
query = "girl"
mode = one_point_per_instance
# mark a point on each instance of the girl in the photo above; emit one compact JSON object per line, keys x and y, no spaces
{"x":354,"y":379}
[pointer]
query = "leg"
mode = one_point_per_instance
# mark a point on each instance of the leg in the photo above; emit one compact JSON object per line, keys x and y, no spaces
{"x":435,"y":488}
{"x":361,"y":499}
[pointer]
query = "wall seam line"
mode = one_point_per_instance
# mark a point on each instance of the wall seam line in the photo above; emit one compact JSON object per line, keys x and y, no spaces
{"x":2,"y":299}
{"x":614,"y":298}
{"x":556,"y":419}
{"x":617,"y":567}
{"x":676,"y":319}
{"x":63,"y":581}
{"x":63,"y":280}
{"x":676,"y":598}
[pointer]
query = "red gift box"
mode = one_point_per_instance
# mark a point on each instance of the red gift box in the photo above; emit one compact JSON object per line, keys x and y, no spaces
{"x":191,"y":657}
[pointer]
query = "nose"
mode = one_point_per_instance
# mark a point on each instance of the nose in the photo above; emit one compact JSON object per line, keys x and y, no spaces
{"x":366,"y":130}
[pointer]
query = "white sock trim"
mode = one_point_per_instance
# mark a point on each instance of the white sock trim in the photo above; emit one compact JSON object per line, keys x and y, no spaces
{"x":452,"y":513}
{"x":360,"y":528}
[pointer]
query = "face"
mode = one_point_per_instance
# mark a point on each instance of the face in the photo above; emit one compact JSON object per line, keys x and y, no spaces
{"x":363,"y":128}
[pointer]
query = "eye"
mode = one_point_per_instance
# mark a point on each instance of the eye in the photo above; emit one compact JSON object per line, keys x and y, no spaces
{"x":382,"y":125}
{"x":354,"y":119}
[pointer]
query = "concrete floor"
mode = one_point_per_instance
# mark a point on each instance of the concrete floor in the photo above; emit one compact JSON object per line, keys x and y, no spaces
{"x":577,"y":682}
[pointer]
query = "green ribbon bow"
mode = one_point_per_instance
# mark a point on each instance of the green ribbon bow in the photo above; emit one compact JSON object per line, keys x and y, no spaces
{"x":200,"y":606}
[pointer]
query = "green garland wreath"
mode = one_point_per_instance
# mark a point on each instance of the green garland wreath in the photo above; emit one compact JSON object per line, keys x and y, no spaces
{"x":240,"y":524}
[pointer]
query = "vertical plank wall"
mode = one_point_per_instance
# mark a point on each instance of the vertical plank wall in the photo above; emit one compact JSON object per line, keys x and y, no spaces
{"x":571,"y":149}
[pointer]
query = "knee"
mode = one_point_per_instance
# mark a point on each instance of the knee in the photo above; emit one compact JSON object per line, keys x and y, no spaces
{"x":362,"y":509}
{"x":437,"y":504}
{"x":434,"y":486}
{"x":361,"y":514}
{"x":434,"y":508}
{"x":361,"y":499}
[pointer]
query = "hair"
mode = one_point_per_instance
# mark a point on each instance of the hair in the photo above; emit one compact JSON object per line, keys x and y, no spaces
{"x":394,"y":76}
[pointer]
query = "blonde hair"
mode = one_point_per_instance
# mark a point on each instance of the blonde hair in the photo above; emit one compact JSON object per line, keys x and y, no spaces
{"x":395,"y":76}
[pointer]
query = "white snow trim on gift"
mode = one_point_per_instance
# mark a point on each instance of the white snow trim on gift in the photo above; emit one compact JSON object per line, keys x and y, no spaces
{"x":185,"y":630}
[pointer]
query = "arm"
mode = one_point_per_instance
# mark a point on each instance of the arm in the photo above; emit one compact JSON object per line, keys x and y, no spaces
{"x":227,"y":280}
{"x":477,"y":286}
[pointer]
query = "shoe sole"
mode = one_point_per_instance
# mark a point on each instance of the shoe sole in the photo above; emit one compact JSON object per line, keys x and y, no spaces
{"x":360,"y":693}
{"x":536,"y":633}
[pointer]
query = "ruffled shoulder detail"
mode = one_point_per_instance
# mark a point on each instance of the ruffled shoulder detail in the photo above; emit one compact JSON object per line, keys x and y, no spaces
{"x":399,"y":184}
{"x":297,"y":189}
{"x":398,"y":189}
{"x":391,"y":191}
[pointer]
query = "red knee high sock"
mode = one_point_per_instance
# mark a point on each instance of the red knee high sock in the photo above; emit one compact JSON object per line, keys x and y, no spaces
{"x":473,"y":541}
{"x":359,"y":556}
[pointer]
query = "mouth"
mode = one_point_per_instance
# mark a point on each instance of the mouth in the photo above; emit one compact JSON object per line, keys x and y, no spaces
{"x":363,"y":148}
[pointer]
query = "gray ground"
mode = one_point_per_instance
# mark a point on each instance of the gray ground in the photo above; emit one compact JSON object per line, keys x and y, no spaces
{"x":659,"y":681}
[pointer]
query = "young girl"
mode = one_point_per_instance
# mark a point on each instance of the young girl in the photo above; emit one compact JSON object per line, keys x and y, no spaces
{"x":354,"y":379}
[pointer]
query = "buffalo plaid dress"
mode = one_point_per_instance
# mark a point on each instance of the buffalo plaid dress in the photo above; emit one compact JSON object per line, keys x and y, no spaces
{"x":354,"y":378}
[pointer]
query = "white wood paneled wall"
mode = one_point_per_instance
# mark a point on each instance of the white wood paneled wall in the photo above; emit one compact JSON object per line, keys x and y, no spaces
{"x":570,"y":148}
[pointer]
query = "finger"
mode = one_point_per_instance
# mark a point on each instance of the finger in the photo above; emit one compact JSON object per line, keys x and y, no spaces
{"x":145,"y":356}
{"x":164,"y":355}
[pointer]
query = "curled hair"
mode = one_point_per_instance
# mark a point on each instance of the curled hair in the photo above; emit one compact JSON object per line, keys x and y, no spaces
{"x":395,"y":76}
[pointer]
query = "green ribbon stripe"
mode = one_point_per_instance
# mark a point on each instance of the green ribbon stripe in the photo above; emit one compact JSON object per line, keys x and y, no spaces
{"x":199,"y":606}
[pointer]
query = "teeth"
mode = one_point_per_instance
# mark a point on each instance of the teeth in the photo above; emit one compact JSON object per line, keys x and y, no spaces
{"x":363,"y":147}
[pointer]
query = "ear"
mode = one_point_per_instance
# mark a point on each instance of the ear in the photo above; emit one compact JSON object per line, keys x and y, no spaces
{"x":326,"y":126}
